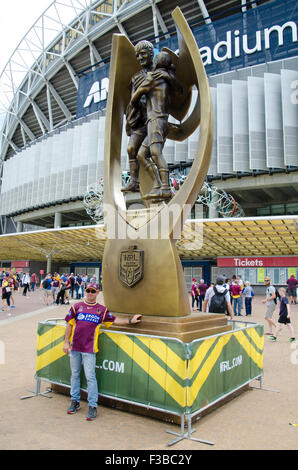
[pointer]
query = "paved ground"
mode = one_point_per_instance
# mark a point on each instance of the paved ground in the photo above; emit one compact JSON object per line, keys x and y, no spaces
{"x":257,"y":419}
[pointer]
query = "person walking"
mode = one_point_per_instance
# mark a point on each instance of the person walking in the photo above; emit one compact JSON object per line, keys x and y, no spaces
{"x":46,"y":285}
{"x":270,"y":302}
{"x":26,"y":283}
{"x":235,"y":291}
{"x":78,"y":283}
{"x":202,"y":292}
{"x":292,"y":286}
{"x":284,"y":316}
{"x":194,"y":294}
{"x":33,"y":281}
{"x":72,"y":284}
{"x":67,"y":285}
{"x":248,"y":293}
{"x":6,"y":293}
{"x":84,"y":320}
{"x":55,"y":287}
{"x":219,"y":293}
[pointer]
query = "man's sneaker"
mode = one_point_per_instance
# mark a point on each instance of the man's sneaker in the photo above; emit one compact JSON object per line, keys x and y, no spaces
{"x":292,"y":339}
{"x":74,"y":407}
{"x":92,"y":412}
{"x":273,"y":338}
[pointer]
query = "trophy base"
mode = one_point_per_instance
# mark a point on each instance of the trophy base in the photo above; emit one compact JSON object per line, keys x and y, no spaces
{"x":188,"y":328}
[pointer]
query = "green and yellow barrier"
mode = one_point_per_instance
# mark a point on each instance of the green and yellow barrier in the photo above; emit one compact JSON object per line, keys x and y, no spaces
{"x":156,"y":372}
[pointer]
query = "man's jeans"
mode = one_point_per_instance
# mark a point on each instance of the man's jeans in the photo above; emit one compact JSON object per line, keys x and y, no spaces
{"x":237,"y":305}
{"x":248,"y":303}
{"x":88,"y":360}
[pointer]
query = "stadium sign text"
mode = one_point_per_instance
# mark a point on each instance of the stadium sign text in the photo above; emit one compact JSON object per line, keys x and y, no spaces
{"x":234,"y":44}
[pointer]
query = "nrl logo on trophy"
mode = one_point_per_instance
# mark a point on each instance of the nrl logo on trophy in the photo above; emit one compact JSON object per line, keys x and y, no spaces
{"x":131,"y":266}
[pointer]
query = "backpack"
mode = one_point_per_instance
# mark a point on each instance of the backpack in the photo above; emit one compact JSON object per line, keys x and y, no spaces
{"x":277,"y":296}
{"x":45,"y":283}
{"x":218,"y":303}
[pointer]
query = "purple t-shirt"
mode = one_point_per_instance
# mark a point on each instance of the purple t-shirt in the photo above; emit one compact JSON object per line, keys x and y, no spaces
{"x":292,"y":283}
{"x":86,"y":320}
{"x":203,"y":288}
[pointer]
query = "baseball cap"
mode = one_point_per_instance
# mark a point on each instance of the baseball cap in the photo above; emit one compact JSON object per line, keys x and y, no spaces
{"x":194,"y":279}
{"x":92,"y":285}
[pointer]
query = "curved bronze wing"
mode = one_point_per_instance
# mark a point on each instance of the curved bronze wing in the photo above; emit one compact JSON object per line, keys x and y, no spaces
{"x":203,"y":113}
{"x":123,"y":66}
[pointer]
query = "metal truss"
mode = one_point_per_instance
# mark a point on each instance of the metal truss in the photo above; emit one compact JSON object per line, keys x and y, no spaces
{"x":64,"y":29}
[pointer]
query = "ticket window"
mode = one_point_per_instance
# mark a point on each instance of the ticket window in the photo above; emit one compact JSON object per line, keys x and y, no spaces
{"x":256,"y":276}
{"x":91,"y":271}
{"x":190,"y":272}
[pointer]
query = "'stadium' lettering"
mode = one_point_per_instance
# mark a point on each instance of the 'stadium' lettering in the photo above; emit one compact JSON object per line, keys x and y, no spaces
{"x":233,"y":44}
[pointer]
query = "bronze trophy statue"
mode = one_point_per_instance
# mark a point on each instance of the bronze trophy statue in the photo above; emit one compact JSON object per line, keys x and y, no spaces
{"x":141,"y":270}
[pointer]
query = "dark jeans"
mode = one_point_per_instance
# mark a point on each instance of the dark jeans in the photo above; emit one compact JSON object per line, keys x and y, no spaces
{"x":193,"y":299}
{"x":201,"y":299}
{"x":7,"y":298}
{"x":248,"y":302}
{"x":60,"y":295}
{"x":78,"y":291}
{"x":26,"y":287}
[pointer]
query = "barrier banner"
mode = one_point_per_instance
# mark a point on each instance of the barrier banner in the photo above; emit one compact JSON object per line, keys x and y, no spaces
{"x":156,"y":372}
{"x":220,"y":364}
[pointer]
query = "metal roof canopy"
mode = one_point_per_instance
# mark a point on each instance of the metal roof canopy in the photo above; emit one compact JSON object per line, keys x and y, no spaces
{"x":203,"y":239}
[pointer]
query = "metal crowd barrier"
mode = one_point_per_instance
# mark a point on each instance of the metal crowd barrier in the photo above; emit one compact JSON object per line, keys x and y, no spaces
{"x":160,"y":373}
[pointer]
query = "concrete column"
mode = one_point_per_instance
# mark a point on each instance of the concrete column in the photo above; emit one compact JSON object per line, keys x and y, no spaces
{"x":20,"y":226}
{"x":58,"y":220}
{"x":49,"y":263}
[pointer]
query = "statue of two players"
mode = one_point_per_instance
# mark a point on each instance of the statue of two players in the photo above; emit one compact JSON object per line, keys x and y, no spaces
{"x":147,"y":120}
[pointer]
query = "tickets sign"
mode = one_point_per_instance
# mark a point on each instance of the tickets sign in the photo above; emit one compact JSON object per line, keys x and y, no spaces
{"x":257,"y":261}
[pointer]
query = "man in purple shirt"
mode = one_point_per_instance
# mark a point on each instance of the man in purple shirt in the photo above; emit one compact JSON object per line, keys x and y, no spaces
{"x":292,"y":285}
{"x":84,"y":320}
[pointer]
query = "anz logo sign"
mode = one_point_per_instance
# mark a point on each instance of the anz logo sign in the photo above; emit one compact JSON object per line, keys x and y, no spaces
{"x":98,"y":92}
{"x":93,"y":91}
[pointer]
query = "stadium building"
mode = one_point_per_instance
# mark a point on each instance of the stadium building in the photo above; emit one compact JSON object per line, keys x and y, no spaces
{"x":53,"y":133}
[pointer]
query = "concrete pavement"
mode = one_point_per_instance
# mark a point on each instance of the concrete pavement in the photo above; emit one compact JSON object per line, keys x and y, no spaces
{"x":256,"y":419}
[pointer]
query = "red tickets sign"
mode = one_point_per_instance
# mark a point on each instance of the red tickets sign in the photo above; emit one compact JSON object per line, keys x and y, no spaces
{"x":258,"y":261}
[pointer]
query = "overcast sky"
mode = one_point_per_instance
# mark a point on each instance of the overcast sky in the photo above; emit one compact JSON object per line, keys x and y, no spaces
{"x":16,"y":18}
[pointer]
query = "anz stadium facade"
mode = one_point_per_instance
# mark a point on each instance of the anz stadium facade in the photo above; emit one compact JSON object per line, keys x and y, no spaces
{"x":54,"y":91}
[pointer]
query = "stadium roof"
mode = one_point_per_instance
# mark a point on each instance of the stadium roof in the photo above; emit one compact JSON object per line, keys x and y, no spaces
{"x":39,"y":84}
{"x":201,"y":239}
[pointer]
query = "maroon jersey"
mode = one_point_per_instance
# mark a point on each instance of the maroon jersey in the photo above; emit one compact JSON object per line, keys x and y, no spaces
{"x":86,"y":320}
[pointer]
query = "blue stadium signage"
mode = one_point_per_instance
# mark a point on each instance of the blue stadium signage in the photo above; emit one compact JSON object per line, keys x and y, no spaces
{"x":260,"y":35}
